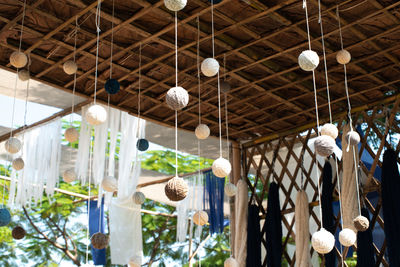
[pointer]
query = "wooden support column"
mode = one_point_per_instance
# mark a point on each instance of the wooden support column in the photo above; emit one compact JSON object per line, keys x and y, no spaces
{"x":234,"y":178}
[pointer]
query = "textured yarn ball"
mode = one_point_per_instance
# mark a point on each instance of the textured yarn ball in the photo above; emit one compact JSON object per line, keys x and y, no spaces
{"x":99,"y":240}
{"x":177,"y":98}
{"x":142,"y":144}
{"x":176,"y":189}
{"x":330,"y":130}
{"x":23,"y":75}
{"x":343,"y":57}
{"x":202,"y":131}
{"x":96,"y":115}
{"x":175,"y":5}
{"x":347,"y":237}
{"x":200,"y":217}
{"x":221,"y":167}
{"x":69,"y":175}
{"x":308,"y":60}
{"x":353,"y":138}
{"x":361,"y":223}
{"x":230,"y":189}
{"x":18,"y":59}
{"x":18,"y":232}
{"x":138,"y":198}
{"x":112,"y":86}
{"x":109,"y":184}
{"x":71,"y":135}
{"x":70,"y":67}
{"x":134,"y":263}
{"x":209,"y":67}
{"x":225,"y":87}
{"x":324,"y":145}
{"x":13,"y":145}
{"x":322,"y":241}
{"x":18,"y":164}
{"x":5,"y":217}
{"x":231,"y":262}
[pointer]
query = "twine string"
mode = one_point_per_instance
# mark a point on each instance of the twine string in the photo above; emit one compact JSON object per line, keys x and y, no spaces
{"x":22,"y":26}
{"x":219,"y":117}
{"x":198,"y":66}
{"x":98,"y":16}
{"x":227,"y":124}
{"x":212,"y":28}
{"x":176,"y":143}
{"x":74,"y":85}
{"x":176,"y":48}
{"x":112,"y":40}
{"x":140,"y":89}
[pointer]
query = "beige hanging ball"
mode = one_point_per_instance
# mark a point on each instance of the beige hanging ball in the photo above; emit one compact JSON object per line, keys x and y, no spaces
{"x":176,"y":189}
{"x":135,"y":262}
{"x":177,"y":98}
{"x":70,"y":67}
{"x":175,"y":5}
{"x":18,"y":164}
{"x":96,"y":115}
{"x":324,"y":145}
{"x":13,"y":145}
{"x":202,"y":131}
{"x":200,"y":218}
{"x":18,"y":59}
{"x":308,"y":60}
{"x":69,"y":175}
{"x":99,"y":240}
{"x":138,"y":198}
{"x":109,"y":184}
{"x":347,"y":237}
{"x":230,"y":189}
{"x":343,"y":57}
{"x":231,"y":262}
{"x":209,"y":67}
{"x":353,"y":138}
{"x":71,"y":135}
{"x":361,"y":223}
{"x":23,"y":75}
{"x":322,"y":241}
{"x":221,"y":167}
{"x":330,"y":130}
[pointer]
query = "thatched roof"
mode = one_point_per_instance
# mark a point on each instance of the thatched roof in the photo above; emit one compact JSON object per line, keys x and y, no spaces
{"x":259,"y":39}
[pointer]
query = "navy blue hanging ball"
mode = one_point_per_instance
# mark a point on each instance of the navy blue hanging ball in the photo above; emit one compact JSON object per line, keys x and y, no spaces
{"x":142,"y":144}
{"x":5,"y":217}
{"x":112,"y":86}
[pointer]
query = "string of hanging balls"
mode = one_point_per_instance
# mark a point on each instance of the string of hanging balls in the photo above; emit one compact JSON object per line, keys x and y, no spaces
{"x":323,"y":241}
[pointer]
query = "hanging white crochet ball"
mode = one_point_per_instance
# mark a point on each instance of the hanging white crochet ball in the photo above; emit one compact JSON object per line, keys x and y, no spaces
{"x":18,"y":164}
{"x":324,"y":145}
{"x":176,"y":189}
{"x":330,"y":130}
{"x":221,"y":167}
{"x":69,"y":175}
{"x":361,"y":223}
{"x":225,"y":87}
{"x":177,"y":98}
{"x":96,"y":115}
{"x":71,"y":135}
{"x":23,"y":75}
{"x":209,"y":67}
{"x":343,"y":57}
{"x":175,"y":5}
{"x":231,"y":262}
{"x":200,"y":217}
{"x":138,"y":198}
{"x":308,"y":60}
{"x":109,"y":184}
{"x":13,"y":145}
{"x":322,"y":241}
{"x":70,"y":67}
{"x":230,"y":189}
{"x":347,"y":237}
{"x":18,"y":59}
{"x":353,"y":138}
{"x":202,"y":131}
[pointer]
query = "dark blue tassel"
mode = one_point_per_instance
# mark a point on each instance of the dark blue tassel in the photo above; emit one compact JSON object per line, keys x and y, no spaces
{"x":214,"y":201}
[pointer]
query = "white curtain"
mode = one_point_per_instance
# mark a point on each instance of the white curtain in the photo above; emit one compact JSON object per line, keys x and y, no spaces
{"x":82,"y":160}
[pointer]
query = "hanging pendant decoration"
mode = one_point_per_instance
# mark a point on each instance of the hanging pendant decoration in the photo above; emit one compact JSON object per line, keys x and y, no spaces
{"x":210,"y":66}
{"x":230,"y":189}
{"x":69,"y":175}
{"x":109,"y":184}
{"x":112,"y":86}
{"x":138,"y":198}
{"x":13,"y":145}
{"x":23,"y":75}
{"x":175,"y":5}
{"x":18,"y":232}
{"x":200,"y":218}
{"x":5,"y":216}
{"x":70,"y":67}
{"x":18,"y":164}
{"x":343,"y":57}
{"x":71,"y":135}
{"x":308,"y":60}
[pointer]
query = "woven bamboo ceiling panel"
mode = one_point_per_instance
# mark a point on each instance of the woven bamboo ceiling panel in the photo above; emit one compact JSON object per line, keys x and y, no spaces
{"x":260,"y":41}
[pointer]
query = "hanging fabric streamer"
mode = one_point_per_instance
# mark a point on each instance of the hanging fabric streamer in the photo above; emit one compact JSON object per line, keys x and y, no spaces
{"x":82,"y":160}
{"x":365,"y":247}
{"x":302,"y":217}
{"x":241,"y":223}
{"x":253,"y":258}
{"x":214,"y":201}
{"x":391,"y":205}
{"x":273,"y":227}
{"x":96,"y":225}
{"x":99,"y":151}
{"x":327,"y":209}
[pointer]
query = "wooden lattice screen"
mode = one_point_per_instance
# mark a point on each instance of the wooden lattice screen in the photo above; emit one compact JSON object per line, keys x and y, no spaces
{"x":260,"y":170}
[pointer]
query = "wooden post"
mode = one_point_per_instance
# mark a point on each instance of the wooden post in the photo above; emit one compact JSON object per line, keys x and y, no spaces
{"x":234,"y":178}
